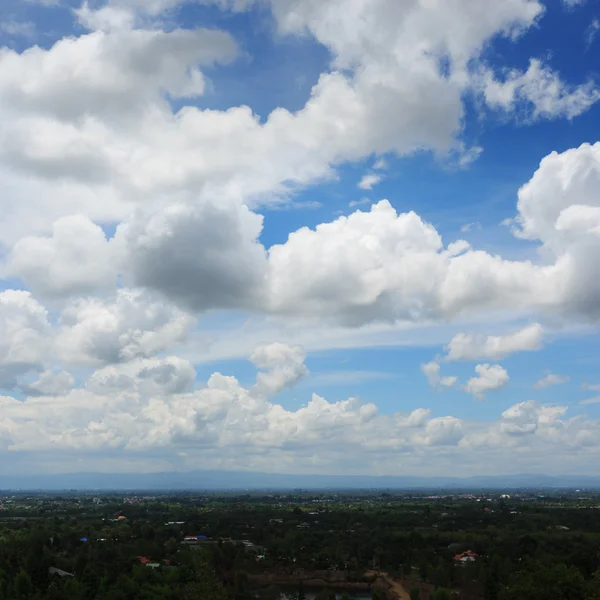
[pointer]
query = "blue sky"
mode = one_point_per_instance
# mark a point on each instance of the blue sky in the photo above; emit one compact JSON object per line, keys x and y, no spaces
{"x":153,"y":237}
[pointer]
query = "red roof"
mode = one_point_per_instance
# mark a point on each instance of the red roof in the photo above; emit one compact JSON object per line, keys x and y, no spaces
{"x":467,"y":554}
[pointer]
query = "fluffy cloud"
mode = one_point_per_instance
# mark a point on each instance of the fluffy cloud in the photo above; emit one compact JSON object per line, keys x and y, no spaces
{"x":381,"y":265}
{"x":147,"y":403}
{"x":465,"y":346}
{"x":50,"y":384}
{"x":284,"y":366}
{"x":76,"y":259}
{"x":205,"y":256}
{"x":540,"y":90}
{"x":490,"y":378}
{"x":431,"y":370}
{"x":368,"y":181}
{"x":526,"y":417}
{"x":97,"y":331}
{"x":144,"y":376}
{"x":549,"y":380}
{"x":91,"y":136}
{"x":150,"y":404}
{"x":24,"y":336}
{"x":113,"y":129}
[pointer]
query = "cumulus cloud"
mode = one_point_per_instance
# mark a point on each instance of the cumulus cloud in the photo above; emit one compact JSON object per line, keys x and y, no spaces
{"x":24,"y":336}
{"x":50,"y":384}
{"x":124,"y":144}
{"x":148,"y":403}
{"x":540,"y":92}
{"x":76,"y":259}
{"x":549,"y":380}
{"x":490,"y":378}
{"x":431,"y":370}
{"x":205,"y":256}
{"x":153,"y":404}
{"x":526,"y":417}
{"x":469,"y":346}
{"x":144,"y":376}
{"x":96,"y":331}
{"x":113,"y":129}
{"x":282,"y":366}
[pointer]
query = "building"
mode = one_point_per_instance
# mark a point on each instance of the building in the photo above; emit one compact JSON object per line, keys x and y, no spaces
{"x":466,"y":557}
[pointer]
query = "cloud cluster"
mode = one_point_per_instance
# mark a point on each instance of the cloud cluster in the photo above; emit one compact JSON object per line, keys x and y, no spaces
{"x":153,"y":404}
{"x":469,"y":346}
{"x":105,"y":132}
{"x":89,"y":332}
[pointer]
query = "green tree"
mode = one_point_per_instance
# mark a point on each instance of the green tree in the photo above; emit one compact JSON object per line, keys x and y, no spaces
{"x":415,"y":593}
{"x":542,"y":582}
{"x":23,"y":587}
{"x":441,"y":594}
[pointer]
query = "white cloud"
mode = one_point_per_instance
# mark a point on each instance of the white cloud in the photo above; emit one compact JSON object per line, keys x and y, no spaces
{"x":361,"y":202}
{"x":369,"y":181}
{"x":284,"y":366}
{"x":24,"y":336}
{"x":470,"y":227}
{"x":13,"y":28}
{"x":144,"y":376}
{"x":549,"y":380}
{"x":107,"y":18}
{"x":50,"y":384}
{"x":592,"y":32}
{"x":539,"y":91}
{"x":393,"y":98}
{"x":77,"y":259}
{"x":527,"y":417}
{"x":471,"y":346}
{"x":96,"y":331}
{"x":89,"y":139}
{"x":594,"y":387}
{"x":590,"y":401}
{"x":147,"y":405}
{"x":431,"y":370}
{"x":380,"y":265}
{"x":140,"y":406}
{"x":490,"y":378}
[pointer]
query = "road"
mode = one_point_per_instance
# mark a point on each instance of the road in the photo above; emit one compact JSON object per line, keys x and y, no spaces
{"x":396,"y":587}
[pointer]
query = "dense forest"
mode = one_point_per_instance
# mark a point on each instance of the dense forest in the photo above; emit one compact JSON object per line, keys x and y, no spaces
{"x":234,"y":547}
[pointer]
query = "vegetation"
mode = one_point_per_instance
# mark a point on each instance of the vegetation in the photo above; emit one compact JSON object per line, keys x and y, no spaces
{"x":526,"y":547}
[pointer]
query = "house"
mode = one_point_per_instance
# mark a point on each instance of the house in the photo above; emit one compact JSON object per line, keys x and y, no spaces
{"x":466,"y":557}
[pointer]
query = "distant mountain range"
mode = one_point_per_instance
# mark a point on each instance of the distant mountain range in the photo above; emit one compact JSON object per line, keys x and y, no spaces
{"x":247,"y":480}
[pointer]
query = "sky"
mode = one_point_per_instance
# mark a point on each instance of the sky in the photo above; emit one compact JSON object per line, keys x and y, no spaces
{"x":300,"y":236}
